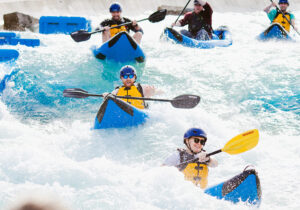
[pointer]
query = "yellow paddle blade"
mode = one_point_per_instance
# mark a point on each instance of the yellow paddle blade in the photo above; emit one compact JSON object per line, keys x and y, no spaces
{"x":242,"y":142}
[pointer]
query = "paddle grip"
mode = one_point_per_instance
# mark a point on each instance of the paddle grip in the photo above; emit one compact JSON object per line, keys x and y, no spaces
{"x":213,"y":153}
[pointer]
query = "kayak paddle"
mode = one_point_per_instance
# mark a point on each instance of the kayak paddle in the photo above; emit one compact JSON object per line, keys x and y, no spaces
{"x":286,"y":18}
{"x":182,"y":101}
{"x":182,"y":11}
{"x":239,"y":144}
{"x":82,"y":35}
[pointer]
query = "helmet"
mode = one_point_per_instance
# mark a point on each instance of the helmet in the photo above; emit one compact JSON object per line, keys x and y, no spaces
{"x":283,"y":2}
{"x":115,"y":7}
{"x":127,"y":70}
{"x":196,"y":2}
{"x":194,"y":132}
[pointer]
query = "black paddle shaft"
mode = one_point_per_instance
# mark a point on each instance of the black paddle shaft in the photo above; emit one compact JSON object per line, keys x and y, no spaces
{"x":83,"y":35}
{"x":182,"y":101}
{"x":182,"y":11}
{"x":153,"y":18}
{"x":208,"y":155}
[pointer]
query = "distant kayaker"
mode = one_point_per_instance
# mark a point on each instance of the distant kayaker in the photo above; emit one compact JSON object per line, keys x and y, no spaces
{"x":116,"y":10}
{"x":192,"y":160}
{"x":199,"y":21}
{"x":276,"y":17}
{"x":129,"y":88}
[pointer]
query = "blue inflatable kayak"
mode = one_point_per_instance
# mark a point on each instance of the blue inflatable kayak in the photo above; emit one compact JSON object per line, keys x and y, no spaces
{"x":244,"y":187}
{"x":115,"y":113}
{"x":8,"y":55}
{"x":275,"y":32}
{"x":11,"y":38}
{"x":120,"y":48}
{"x":221,"y":38}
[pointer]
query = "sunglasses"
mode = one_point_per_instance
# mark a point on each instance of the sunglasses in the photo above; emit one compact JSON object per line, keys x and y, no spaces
{"x":130,"y":76}
{"x":201,"y":141}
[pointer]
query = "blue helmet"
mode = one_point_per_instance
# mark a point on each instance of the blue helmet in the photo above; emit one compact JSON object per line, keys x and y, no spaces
{"x":283,"y":2}
{"x":197,"y":132}
{"x":127,"y":70}
{"x":115,"y":7}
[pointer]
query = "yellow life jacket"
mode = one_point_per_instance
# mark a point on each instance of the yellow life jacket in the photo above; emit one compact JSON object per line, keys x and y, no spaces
{"x":133,"y":91}
{"x":114,"y":31}
{"x":282,"y":21}
{"x":195,"y":172}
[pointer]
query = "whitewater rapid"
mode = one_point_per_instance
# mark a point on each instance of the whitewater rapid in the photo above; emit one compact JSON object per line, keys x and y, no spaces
{"x":47,"y":145}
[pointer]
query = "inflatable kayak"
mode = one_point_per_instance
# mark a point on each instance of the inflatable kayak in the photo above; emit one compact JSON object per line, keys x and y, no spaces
{"x":244,"y":187}
{"x":8,"y":55}
{"x":275,"y":32}
{"x":120,"y":48}
{"x":221,"y":38}
{"x":115,"y":113}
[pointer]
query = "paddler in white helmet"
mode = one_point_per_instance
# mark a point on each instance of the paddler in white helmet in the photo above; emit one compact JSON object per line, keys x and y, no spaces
{"x":115,"y":10}
{"x":192,"y":160}
{"x":276,"y":16}
{"x":133,"y":89}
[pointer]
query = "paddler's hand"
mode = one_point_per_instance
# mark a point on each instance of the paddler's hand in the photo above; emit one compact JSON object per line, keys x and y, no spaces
{"x":274,"y":4}
{"x":134,"y":23}
{"x":202,"y":157}
{"x":106,"y":28}
{"x":105,"y":95}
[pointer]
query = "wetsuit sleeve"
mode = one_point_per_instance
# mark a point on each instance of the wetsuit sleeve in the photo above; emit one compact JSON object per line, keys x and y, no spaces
{"x":186,"y":19}
{"x":292,"y":16}
{"x":105,"y":23}
{"x":208,"y":11}
{"x":272,"y":14}
{"x":173,"y":160}
{"x":131,"y":27}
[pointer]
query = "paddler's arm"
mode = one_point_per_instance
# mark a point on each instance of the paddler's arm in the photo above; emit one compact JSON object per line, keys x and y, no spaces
{"x":183,"y":21}
{"x":268,"y":8}
{"x":173,"y":160}
{"x":150,"y":90}
{"x":212,"y":163}
{"x":294,"y":24}
{"x":135,"y":26}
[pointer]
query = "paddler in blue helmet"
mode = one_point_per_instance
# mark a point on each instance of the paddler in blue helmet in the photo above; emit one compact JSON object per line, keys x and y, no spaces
{"x":275,"y":16}
{"x":192,"y":160}
{"x":199,"y":21}
{"x":133,"y":89}
{"x":115,"y":10}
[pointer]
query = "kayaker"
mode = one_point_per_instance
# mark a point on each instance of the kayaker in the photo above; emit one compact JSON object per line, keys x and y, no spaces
{"x":129,"y":88}
{"x":199,"y":21}
{"x":192,"y":160}
{"x":116,"y":10}
{"x":276,"y":17}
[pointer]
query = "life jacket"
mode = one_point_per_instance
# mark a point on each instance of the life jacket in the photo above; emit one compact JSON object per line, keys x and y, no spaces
{"x":282,"y":21}
{"x":197,"y":23}
{"x":133,"y":91}
{"x":193,"y":171}
{"x":114,"y":31}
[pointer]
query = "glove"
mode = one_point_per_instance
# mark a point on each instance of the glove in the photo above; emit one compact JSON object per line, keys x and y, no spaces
{"x":202,"y":157}
{"x":105,"y":94}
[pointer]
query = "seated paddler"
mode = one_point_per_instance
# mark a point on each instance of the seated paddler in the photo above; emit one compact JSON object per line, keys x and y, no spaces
{"x":192,"y":160}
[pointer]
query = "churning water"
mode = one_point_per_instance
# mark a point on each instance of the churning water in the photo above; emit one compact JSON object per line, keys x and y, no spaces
{"x":47,"y":145}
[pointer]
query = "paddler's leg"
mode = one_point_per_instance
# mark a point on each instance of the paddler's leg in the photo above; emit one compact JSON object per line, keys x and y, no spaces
{"x":186,"y":33}
{"x":138,"y":37}
{"x":202,"y":35}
